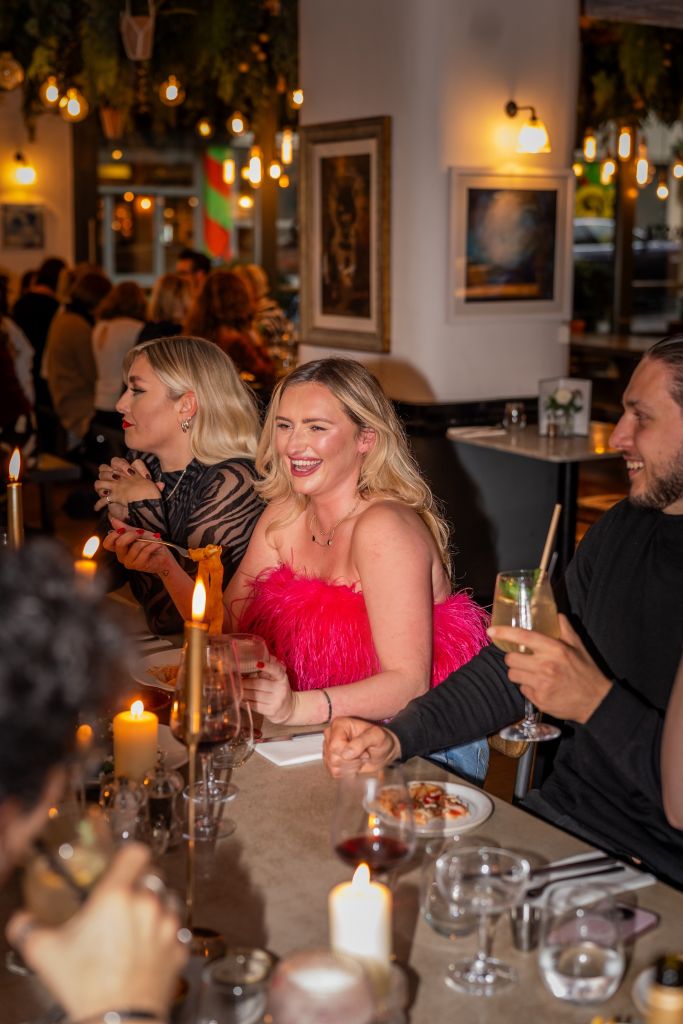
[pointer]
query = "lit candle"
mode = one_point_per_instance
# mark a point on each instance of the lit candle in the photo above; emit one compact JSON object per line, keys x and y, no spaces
{"x":85,"y":567}
{"x":135,"y":741}
{"x":15,"y":508}
{"x":196,"y":633}
{"x":360,"y":919}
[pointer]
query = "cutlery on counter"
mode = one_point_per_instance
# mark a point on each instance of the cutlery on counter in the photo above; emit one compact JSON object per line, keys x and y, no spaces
{"x":290,"y":736}
{"x":589,"y":861}
{"x":536,"y":890}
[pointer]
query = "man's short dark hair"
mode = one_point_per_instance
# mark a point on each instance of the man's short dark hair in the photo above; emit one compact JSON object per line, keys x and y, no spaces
{"x":670,"y":352}
{"x":59,"y":654}
{"x":49,"y":271}
{"x":198,"y":259}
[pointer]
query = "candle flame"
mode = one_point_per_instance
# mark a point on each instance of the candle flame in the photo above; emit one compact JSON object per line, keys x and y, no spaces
{"x":136,"y":709}
{"x":90,"y":547}
{"x":361,"y":876}
{"x":198,"y":602}
{"x":15,"y":465}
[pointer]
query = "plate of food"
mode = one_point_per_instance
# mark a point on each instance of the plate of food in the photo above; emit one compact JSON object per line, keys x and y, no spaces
{"x":159,"y":669}
{"x":439,"y":808}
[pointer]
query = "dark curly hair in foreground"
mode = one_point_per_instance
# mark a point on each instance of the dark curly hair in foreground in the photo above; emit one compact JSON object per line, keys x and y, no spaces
{"x":59,"y":652}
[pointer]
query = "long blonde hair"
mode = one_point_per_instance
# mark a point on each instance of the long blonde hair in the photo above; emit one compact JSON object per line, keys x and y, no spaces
{"x":226,"y":424}
{"x":388,"y":469}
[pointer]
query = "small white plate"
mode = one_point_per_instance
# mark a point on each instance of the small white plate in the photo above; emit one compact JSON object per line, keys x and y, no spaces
{"x":159,"y":659}
{"x":640,"y":989}
{"x":480,"y":805}
{"x":176,"y":753}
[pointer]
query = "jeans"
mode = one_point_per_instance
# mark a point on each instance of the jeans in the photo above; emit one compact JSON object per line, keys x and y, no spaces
{"x":470,"y":760}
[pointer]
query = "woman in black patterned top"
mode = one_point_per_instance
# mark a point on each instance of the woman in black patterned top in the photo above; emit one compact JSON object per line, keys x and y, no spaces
{"x":191,"y":426}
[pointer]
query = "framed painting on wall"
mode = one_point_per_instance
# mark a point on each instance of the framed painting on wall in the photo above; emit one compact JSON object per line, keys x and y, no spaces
{"x":344,"y":214}
{"x":23,"y":227}
{"x":510,"y":245}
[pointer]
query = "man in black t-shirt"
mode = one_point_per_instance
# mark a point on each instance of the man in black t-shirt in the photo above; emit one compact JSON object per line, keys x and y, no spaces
{"x":610,"y":674}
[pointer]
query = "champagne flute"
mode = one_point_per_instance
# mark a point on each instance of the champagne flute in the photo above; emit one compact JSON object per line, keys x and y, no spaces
{"x":524,"y":599}
{"x":373,"y":820}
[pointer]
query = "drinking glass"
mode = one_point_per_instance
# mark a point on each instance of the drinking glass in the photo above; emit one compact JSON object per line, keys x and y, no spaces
{"x":524,"y":599}
{"x":514,"y":417}
{"x":482,"y":882}
{"x":436,"y":908}
{"x":581,"y":955}
{"x":318,"y":986}
{"x":233,"y":989}
{"x":237,"y":751}
{"x":220,"y":721}
{"x":372,"y":822}
{"x":250,"y":649}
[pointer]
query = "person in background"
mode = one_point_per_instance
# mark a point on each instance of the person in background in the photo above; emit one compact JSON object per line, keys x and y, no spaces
{"x":195,"y":267}
{"x":269,"y":319}
{"x":27,"y":280}
{"x":672,"y":755}
{"x":223,"y":312}
{"x":17,"y":397}
{"x":33,"y":313}
{"x":168,"y":307}
{"x":191,"y":426}
{"x":119,"y":317}
{"x":60,"y":654}
{"x":609,"y":676}
{"x":69,"y":364}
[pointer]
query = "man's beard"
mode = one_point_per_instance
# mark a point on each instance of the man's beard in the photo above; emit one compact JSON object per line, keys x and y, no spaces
{"x":665,"y":489}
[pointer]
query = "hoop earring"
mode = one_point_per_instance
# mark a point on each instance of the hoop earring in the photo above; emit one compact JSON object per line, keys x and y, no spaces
{"x":185,"y":425}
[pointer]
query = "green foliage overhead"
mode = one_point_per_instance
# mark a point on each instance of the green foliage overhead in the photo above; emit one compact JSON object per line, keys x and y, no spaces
{"x":226,"y":53}
{"x":628,"y":72}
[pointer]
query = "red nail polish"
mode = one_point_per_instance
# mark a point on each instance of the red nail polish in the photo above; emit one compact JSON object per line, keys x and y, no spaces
{"x":121,"y":530}
{"x":131,"y":472}
{"x":139,"y":531}
{"x":260,"y":664}
{"x":157,"y":535}
{"x":115,"y":476}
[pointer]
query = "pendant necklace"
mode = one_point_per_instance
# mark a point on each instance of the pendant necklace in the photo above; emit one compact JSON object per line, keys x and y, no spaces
{"x":328,"y":533}
{"x":176,"y":486}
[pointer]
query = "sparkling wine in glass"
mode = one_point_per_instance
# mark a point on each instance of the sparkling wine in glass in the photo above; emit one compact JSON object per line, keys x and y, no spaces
{"x":373,"y":820}
{"x":480,"y":882}
{"x":524,"y":599}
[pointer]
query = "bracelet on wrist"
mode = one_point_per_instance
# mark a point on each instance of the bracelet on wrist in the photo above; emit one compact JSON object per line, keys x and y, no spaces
{"x":329,"y":707}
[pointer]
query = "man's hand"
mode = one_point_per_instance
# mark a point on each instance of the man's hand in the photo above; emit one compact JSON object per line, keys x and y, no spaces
{"x":352,"y":745}
{"x":559,"y":676}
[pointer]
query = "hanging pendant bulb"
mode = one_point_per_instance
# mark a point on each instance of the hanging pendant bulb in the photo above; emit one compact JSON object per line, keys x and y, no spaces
{"x":274,"y":170}
{"x":171,"y":93}
{"x":624,"y":142}
{"x":642,"y":166}
{"x":662,"y":187}
{"x":24,"y":172}
{"x":607,"y":171}
{"x":677,"y":169}
{"x":237,"y":123}
{"x":590,"y":146}
{"x":11,"y":72}
{"x":229,"y":171}
{"x":204,"y":128}
{"x":283,"y":181}
{"x":287,"y":146}
{"x":49,"y":92}
{"x":255,"y":166}
{"x":73,"y":105}
{"x":245,"y":202}
{"x":296,"y":98}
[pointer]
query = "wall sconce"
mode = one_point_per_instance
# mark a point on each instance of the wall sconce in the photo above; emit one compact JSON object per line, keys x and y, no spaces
{"x":533,"y":135}
{"x":171,"y":93}
{"x":24,"y":172}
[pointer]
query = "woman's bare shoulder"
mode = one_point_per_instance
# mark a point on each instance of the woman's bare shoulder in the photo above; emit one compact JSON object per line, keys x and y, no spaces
{"x":382,"y":513}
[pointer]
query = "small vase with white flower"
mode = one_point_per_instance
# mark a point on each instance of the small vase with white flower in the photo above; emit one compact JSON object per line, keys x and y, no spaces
{"x":562,"y":406}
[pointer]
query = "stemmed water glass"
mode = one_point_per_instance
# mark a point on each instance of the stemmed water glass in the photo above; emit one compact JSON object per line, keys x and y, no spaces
{"x":480,"y":882}
{"x":524,"y":599}
{"x":220,"y":722}
{"x":372,"y":821}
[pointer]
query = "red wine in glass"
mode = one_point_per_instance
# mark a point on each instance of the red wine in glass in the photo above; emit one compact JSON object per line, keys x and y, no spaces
{"x":380,"y":853}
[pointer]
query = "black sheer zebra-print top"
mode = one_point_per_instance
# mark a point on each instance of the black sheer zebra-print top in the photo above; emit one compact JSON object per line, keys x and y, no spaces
{"x":202,"y":505}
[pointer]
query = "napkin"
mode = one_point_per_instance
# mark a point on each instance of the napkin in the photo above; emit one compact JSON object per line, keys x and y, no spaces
{"x":627,"y":879}
{"x":297,"y":751}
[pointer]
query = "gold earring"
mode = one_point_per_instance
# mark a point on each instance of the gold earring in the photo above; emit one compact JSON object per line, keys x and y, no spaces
{"x":185,"y":425}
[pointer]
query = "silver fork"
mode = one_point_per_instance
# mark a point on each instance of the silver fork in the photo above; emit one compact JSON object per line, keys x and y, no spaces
{"x":156,"y":540}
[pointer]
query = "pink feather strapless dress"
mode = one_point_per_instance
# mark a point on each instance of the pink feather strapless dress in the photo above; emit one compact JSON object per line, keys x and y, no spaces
{"x":321,"y":632}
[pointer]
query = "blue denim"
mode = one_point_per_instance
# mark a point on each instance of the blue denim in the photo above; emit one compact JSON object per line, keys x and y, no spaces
{"x":470,"y":760}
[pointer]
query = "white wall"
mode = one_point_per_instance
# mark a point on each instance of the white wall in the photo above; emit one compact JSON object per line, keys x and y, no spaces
{"x":443,"y":70}
{"x":51,"y":154}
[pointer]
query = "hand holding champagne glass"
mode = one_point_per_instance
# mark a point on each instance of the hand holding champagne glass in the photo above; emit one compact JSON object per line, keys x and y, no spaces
{"x":524,"y":599}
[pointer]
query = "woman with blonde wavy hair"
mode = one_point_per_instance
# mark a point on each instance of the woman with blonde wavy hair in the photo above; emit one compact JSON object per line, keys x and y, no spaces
{"x":191,"y":426}
{"x":347,"y":573}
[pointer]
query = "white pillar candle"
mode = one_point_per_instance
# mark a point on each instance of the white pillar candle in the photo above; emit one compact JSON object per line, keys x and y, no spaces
{"x":135,"y":742}
{"x":360,"y":918}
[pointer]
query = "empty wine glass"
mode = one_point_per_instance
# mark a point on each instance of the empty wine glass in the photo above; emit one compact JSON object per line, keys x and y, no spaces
{"x":524,"y":599}
{"x":250,"y":652}
{"x":581,"y":955}
{"x":237,"y":751}
{"x":480,"y":882}
{"x":372,"y":821}
{"x":220,"y":721}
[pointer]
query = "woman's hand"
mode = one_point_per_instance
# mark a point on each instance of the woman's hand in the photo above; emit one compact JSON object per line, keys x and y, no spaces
{"x":122,"y":482}
{"x":269,"y":692}
{"x":120,"y":950}
{"x":124,"y":542}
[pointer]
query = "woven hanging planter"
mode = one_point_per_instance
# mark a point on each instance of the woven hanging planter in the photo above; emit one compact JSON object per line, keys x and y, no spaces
{"x":137,"y":32}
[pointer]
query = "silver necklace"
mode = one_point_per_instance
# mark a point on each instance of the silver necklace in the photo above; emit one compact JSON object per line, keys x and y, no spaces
{"x":328,"y":533}
{"x":176,"y":486}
